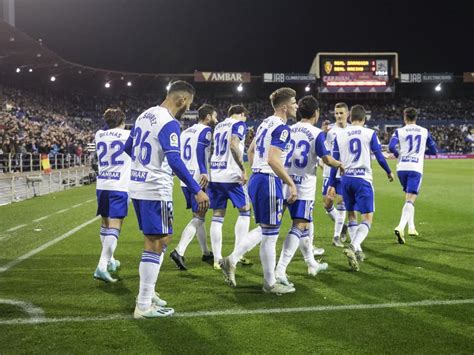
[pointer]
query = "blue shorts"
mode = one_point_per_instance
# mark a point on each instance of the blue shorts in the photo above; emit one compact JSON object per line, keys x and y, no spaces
{"x":154,"y":217}
{"x":326,"y":187}
{"x":411,"y":181}
{"x":358,"y":194}
{"x":190,"y":200}
{"x":267,"y":198}
{"x":220,"y":192}
{"x":301,"y":209}
{"x":112,"y":204}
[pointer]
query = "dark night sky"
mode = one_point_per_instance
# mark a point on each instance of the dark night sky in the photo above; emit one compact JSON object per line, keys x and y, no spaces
{"x":179,"y":36}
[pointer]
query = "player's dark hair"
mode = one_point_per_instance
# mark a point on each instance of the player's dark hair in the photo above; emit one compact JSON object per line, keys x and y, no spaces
{"x":357,"y":113}
{"x":114,"y":117}
{"x":341,"y":105}
{"x":205,"y":110}
{"x":307,"y":106}
{"x":410,"y":114}
{"x":281,"y":96}
{"x":237,"y":110}
{"x":181,"y":86}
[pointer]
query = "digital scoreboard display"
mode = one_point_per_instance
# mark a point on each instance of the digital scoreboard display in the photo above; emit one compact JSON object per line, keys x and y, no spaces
{"x":355,"y":71}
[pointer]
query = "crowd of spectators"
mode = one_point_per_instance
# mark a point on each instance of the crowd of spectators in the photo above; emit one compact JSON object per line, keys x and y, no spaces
{"x":52,"y":122}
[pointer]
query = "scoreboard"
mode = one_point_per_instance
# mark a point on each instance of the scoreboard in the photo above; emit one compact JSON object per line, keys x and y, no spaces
{"x":356,"y":71}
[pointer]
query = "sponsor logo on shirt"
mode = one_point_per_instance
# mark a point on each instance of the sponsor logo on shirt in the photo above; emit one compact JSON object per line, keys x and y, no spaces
{"x":297,"y":179}
{"x":138,"y":175}
{"x":409,"y":160}
{"x":109,"y":175}
{"x":174,"y":140}
{"x":218,"y":165}
{"x":355,"y":172}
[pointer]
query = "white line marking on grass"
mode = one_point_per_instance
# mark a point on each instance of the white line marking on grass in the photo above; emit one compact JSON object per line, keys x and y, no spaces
{"x":46,"y":245}
{"x":41,"y":218}
{"x":15,"y":228}
{"x":36,"y":314}
{"x":75,"y":206}
{"x":241,"y":312}
{"x":62,"y":211}
{"x":90,"y":200}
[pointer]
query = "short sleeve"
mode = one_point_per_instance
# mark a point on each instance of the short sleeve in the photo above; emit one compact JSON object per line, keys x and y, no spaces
{"x":280,"y":136}
{"x":239,"y":129}
{"x":169,"y":137}
{"x":205,"y":137}
{"x":374,"y":143}
{"x":320,"y":146}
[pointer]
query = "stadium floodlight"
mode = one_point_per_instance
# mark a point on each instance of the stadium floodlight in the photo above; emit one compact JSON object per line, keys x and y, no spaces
{"x":53,"y":78}
{"x":18,"y":70}
{"x":168,"y":87}
{"x":307,"y":88}
{"x":129,"y":83}
{"x":240,"y":88}
{"x":438,"y":87}
{"x":30,"y":70}
{"x":107,"y":85}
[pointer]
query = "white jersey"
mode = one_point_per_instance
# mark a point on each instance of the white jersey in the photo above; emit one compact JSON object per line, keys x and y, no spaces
{"x":306,"y":144}
{"x":272,"y":131}
{"x":195,"y":143}
{"x":113,"y":162}
{"x":223,"y":166}
{"x":155,"y":132}
{"x":412,"y":140}
{"x":355,"y":144}
{"x":330,"y":137}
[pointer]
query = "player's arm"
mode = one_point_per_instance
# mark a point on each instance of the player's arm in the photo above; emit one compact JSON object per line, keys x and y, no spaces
{"x":169,"y":141}
{"x":376,"y":148}
{"x":238,"y":134}
{"x":325,"y":154}
{"x":431,"y":145}
{"x":392,"y":145}
{"x":280,"y":138}
{"x":129,"y":142}
{"x":332,"y":174}
{"x":251,"y":151}
{"x":204,"y":141}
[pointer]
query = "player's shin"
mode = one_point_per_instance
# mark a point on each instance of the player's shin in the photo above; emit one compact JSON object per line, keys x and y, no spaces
{"x":216,"y":237}
{"x":288,"y":251}
{"x":109,"y":244}
{"x":268,"y":253}
{"x":202,"y":236}
{"x":340,"y":218}
{"x":408,"y":213}
{"x":241,"y":226}
{"x":187,"y":236}
{"x":148,"y":270}
{"x":245,"y":245}
{"x":360,"y":235}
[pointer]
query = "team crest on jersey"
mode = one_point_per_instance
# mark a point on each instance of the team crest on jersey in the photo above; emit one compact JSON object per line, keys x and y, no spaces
{"x":279,"y":216}
{"x":241,"y":130}
{"x":328,"y":67}
{"x":284,"y":135}
{"x":208,"y":135}
{"x":174,"y":140}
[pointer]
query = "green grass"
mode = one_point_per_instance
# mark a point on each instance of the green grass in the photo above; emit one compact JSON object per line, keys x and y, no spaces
{"x":435,"y":266}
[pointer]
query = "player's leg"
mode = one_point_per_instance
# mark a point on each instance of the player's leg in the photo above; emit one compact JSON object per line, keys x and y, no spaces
{"x":328,"y":202}
{"x":407,"y":209}
{"x":155,"y":221}
{"x":239,"y":196}
{"x":348,"y":195}
{"x":290,"y":245}
{"x":316,"y":251}
{"x":413,"y":189}
{"x":218,"y":199}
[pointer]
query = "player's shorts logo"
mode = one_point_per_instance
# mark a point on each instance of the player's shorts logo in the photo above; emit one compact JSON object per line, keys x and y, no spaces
{"x":328,"y":67}
{"x":279,"y":216}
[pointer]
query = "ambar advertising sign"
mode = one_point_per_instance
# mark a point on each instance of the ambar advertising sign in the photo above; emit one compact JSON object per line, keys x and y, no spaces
{"x":221,"y":77}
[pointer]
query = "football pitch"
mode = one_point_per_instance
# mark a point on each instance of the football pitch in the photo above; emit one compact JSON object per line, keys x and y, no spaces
{"x":412,"y":298}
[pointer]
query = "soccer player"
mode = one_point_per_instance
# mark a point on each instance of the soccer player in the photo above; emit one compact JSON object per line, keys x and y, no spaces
{"x":154,"y":145}
{"x":195,"y":142}
{"x":412,"y":141}
{"x":229,"y":179}
{"x":353,"y":145}
{"x":266,"y":153}
{"x":306,"y":145}
{"x":338,"y":214}
{"x":112,"y":188}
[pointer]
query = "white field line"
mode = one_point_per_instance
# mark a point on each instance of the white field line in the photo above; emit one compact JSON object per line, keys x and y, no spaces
{"x":35,"y":313}
{"x":62,"y":211}
{"x":75,"y":206}
{"x":241,"y":312}
{"x":41,"y":218}
{"x":45,"y":246}
{"x":15,"y":228}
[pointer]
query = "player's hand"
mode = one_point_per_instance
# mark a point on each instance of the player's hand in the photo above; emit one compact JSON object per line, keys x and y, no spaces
{"x":388,"y":155}
{"x":325,"y":126}
{"x":331,"y":194}
{"x":203,"y":201}
{"x":390,"y":177}
{"x":244,"y":178}
{"x":203,"y":181}
{"x":342,"y":170}
{"x":293,"y":194}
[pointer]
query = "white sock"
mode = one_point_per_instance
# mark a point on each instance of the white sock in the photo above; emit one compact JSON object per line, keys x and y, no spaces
{"x":352,"y":228}
{"x":311,"y":233}
{"x":288,"y":251}
{"x":109,"y":244}
{"x":361,"y":234}
{"x":102,"y":233}
{"x":241,"y":227}
{"x":148,"y":271}
{"x":216,"y":237}
{"x":187,"y":236}
{"x":340,"y":218}
{"x":246,"y":244}
{"x":407,"y":211}
{"x":202,"y":236}
{"x":332,"y":213}
{"x":411,"y":220}
{"x":268,"y":253}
